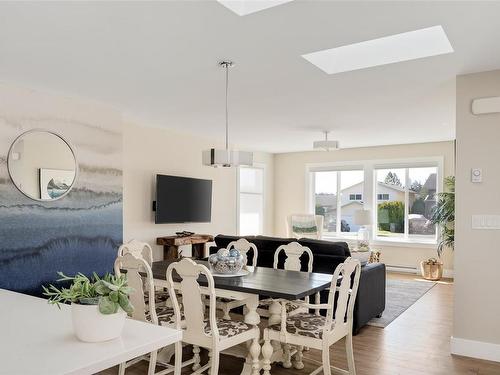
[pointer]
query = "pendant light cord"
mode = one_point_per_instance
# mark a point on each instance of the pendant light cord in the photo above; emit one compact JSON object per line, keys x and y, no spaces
{"x":227,"y":113}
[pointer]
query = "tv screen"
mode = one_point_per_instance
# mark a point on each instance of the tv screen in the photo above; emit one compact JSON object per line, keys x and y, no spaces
{"x":183,"y":200}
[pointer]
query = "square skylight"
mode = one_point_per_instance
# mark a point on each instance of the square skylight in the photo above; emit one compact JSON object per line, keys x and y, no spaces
{"x":244,"y":7}
{"x":412,"y":45}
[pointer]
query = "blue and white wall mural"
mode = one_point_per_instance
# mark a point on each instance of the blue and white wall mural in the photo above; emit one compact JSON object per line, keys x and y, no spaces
{"x":80,"y":232}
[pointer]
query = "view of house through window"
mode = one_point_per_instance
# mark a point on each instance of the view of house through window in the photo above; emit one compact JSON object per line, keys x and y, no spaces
{"x":338,"y":209}
{"x":251,"y":200}
{"x":406,"y":199}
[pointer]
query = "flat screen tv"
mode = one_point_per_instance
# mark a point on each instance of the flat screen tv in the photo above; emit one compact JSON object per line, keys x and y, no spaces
{"x":183,"y":200}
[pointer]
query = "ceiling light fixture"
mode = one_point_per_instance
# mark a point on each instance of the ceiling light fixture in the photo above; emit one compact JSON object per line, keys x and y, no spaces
{"x":226,"y":157}
{"x":326,"y":144}
{"x":412,"y":45}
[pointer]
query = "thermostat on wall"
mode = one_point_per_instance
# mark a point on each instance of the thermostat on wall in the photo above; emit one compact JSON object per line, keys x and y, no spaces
{"x":476,"y":175}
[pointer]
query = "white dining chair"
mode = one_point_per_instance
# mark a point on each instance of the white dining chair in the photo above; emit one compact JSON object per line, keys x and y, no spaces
{"x":320,"y":332}
{"x":207,"y":332}
{"x":139,"y":274}
{"x":293,"y":251}
{"x":143,"y":250}
{"x":244,"y":247}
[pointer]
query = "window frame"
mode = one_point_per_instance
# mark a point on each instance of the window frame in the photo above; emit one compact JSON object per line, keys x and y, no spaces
{"x":370,"y":202}
{"x":263,"y":222}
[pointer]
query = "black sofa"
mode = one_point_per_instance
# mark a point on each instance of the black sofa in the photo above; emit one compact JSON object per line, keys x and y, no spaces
{"x":370,"y":301}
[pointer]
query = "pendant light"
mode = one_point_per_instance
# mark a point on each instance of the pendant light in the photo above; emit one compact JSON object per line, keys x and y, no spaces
{"x":326,"y":144}
{"x":226,"y":157}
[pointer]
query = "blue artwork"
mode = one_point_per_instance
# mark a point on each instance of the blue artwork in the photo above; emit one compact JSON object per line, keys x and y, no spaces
{"x":80,"y":232}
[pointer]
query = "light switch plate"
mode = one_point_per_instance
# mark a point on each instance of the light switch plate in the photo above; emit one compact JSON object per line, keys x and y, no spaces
{"x":486,"y":222}
{"x":476,"y":175}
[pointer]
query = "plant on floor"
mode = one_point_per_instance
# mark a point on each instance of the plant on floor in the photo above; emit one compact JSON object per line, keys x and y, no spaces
{"x":109,"y":292}
{"x":444,"y":215}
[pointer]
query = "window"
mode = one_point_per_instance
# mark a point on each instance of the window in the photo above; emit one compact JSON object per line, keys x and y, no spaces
{"x":335,"y":201}
{"x":251,"y":200}
{"x":407,"y":213}
{"x":401,"y":196}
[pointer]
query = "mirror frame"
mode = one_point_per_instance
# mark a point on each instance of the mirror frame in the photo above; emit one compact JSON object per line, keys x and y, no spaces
{"x":37,"y":130}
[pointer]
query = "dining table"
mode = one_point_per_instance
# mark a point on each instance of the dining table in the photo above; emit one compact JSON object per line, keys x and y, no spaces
{"x":38,"y":338}
{"x":258,"y":281}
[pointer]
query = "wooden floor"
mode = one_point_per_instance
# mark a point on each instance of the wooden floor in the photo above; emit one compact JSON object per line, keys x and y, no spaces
{"x":416,"y":343}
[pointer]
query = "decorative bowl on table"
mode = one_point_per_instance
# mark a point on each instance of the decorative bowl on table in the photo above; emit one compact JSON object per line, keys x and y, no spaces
{"x":226,"y":262}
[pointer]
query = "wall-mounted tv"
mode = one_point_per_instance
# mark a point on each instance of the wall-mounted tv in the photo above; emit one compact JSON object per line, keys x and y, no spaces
{"x":183,"y":200}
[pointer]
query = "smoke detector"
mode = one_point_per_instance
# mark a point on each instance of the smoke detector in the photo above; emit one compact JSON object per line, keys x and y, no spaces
{"x":326,"y":144}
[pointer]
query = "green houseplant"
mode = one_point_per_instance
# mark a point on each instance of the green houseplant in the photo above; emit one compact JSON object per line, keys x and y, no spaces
{"x":444,"y":217}
{"x":98,"y":305}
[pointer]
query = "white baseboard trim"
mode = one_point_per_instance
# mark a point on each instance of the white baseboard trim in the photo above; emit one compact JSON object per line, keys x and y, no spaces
{"x":475,"y":349}
{"x":447,"y":273}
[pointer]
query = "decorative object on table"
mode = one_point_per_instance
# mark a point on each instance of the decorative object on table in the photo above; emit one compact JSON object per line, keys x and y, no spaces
{"x":305,"y":226}
{"x":226,"y":262}
{"x":226,"y":157}
{"x":363,"y":218}
{"x":374,"y":256}
{"x":444,"y":217}
{"x":184,"y":233}
{"x":432,"y":269}
{"x":98,"y":305}
{"x":362,"y":256}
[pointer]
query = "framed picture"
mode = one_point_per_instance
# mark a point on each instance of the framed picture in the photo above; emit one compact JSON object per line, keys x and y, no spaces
{"x":54,"y":183}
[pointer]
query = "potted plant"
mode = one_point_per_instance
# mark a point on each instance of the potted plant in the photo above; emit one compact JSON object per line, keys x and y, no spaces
{"x":98,"y":305}
{"x":444,"y":217}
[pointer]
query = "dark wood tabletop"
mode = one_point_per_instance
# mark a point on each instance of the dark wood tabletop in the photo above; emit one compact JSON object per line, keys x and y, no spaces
{"x":264,"y":281}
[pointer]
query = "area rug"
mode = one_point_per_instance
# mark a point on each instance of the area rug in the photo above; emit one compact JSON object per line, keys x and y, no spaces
{"x":400,"y":295}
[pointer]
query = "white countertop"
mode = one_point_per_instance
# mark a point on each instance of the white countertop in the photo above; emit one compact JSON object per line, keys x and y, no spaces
{"x":37,"y":338}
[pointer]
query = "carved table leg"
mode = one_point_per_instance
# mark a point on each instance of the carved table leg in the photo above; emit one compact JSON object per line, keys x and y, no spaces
{"x":252,"y":317}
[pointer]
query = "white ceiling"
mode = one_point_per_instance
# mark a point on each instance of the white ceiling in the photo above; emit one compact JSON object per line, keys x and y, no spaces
{"x":157,"y":61}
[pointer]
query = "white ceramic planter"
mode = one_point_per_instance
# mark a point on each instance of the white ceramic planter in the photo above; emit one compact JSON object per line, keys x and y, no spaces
{"x":92,"y":326}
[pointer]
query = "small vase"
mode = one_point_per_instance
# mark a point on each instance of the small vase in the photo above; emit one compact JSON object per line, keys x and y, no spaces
{"x":90,"y":325}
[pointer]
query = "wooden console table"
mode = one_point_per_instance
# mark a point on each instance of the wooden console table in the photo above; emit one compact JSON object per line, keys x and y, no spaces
{"x":171,"y":245}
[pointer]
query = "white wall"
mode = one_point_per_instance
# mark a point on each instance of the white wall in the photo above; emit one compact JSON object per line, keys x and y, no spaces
{"x":290,"y":188}
{"x":149,"y":151}
{"x":476,"y":327}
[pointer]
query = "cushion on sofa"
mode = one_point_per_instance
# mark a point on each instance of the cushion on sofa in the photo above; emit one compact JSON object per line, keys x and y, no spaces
{"x":326,"y":247}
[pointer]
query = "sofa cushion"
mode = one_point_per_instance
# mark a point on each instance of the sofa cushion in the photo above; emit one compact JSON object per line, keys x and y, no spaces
{"x":326,"y":247}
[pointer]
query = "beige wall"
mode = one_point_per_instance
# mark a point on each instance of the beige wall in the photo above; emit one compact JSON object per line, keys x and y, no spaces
{"x":477,"y":276}
{"x":148,"y":151}
{"x":290,"y":188}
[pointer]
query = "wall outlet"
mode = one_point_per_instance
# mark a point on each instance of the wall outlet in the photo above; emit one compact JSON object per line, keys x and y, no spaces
{"x":485,"y":221}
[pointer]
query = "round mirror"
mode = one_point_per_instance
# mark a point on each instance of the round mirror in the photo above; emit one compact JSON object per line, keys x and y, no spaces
{"x":42,"y":165}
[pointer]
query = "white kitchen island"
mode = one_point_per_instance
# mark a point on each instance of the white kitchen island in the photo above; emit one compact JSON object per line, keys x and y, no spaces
{"x":37,"y":338}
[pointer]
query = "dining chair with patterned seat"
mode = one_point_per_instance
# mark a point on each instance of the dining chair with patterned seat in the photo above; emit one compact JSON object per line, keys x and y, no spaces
{"x":144,"y":251}
{"x":244,"y":247}
{"x":293,"y":252}
{"x":320,"y":332}
{"x":139,"y":274}
{"x":207,"y":331}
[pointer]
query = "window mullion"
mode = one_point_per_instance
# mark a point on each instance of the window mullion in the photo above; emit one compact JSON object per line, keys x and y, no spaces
{"x":338,"y":227}
{"x":407,"y":202}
